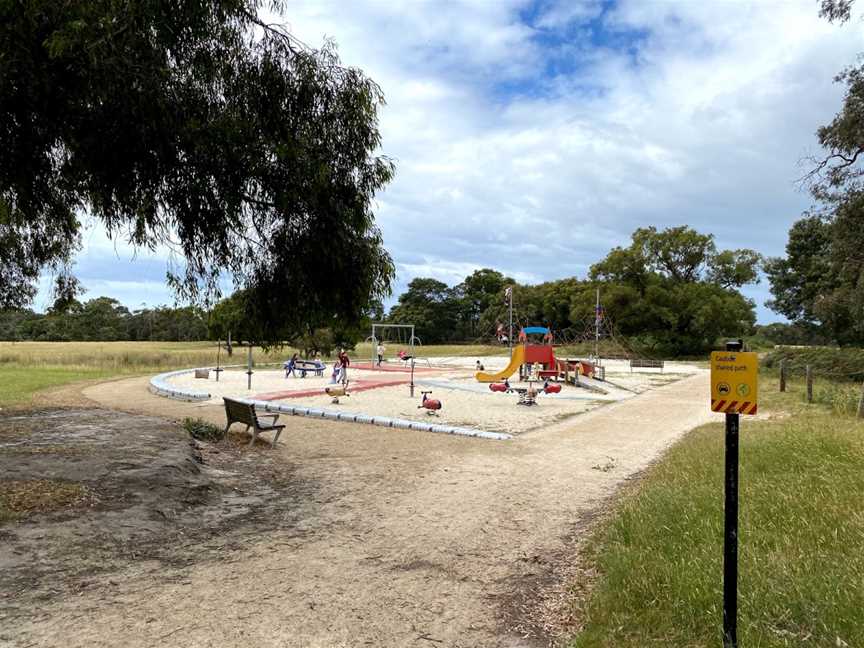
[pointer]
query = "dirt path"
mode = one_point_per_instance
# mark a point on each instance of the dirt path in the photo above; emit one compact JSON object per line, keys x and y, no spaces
{"x":416,"y":539}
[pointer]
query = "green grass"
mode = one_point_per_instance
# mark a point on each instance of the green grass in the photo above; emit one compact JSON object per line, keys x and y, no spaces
{"x":18,"y":384}
{"x":659,"y":557}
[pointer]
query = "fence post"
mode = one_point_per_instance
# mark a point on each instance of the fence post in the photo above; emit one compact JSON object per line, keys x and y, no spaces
{"x":809,"y":384}
{"x":783,"y":375}
{"x":861,"y":403}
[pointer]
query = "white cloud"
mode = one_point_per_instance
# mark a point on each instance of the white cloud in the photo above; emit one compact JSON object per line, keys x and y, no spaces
{"x":562,"y":14}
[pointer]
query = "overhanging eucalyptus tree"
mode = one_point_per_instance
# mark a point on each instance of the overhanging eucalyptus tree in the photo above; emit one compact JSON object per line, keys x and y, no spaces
{"x":197,"y":125}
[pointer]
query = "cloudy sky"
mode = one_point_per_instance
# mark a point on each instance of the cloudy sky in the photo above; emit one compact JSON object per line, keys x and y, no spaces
{"x":532,"y":137}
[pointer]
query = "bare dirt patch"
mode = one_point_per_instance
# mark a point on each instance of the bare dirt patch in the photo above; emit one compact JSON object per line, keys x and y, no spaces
{"x":123,"y":489}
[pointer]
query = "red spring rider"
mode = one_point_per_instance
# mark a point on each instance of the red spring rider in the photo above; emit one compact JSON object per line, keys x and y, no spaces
{"x":431,"y":405}
{"x":500,"y":387}
{"x":551,"y":388}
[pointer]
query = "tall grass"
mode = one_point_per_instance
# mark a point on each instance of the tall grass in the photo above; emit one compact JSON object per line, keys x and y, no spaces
{"x":831,"y":362}
{"x":140,"y":357}
{"x":124,"y":357}
{"x":801,"y":537}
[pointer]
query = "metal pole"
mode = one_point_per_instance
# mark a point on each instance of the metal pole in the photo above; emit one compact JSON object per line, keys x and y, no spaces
{"x":510,"y":337}
{"x":412,"y":377}
{"x":218,"y":353}
{"x":730,"y":534}
{"x":597,"y":327}
{"x":249,"y":368}
{"x":809,"y":375}
{"x":374,"y":346}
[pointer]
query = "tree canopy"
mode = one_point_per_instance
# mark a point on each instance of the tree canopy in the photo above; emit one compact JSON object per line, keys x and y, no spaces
{"x":670,"y":290}
{"x":199,"y":127}
{"x":675,"y":290}
{"x":819,"y":284}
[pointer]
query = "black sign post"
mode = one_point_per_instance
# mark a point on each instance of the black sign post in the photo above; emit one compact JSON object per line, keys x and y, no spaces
{"x":730,"y":532}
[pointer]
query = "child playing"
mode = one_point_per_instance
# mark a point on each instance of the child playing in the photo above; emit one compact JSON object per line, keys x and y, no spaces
{"x":289,"y":366}
{"x":344,"y":361}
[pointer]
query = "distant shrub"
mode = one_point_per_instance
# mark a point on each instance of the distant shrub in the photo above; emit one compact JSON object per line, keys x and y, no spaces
{"x":203,"y":430}
{"x":845,"y":363}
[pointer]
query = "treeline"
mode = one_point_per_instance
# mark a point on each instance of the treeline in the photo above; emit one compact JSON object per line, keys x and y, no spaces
{"x":104,"y":319}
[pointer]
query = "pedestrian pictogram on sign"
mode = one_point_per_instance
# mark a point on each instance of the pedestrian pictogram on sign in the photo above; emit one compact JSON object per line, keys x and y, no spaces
{"x":734,"y":382}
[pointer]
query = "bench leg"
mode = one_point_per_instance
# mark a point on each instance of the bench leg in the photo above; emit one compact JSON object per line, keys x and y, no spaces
{"x":275,"y":438}
{"x":225,"y":434}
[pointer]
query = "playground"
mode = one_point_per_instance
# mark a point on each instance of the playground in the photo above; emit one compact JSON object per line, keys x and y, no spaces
{"x":530,"y":390}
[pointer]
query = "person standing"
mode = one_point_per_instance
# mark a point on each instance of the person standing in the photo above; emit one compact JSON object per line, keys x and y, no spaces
{"x":344,"y":361}
{"x":379,"y":351}
{"x":290,"y":366}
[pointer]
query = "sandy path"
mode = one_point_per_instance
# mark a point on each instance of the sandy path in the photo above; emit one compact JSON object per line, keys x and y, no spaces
{"x":417,"y":539}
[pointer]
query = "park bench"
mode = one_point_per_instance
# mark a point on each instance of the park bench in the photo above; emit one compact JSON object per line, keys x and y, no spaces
{"x":645,"y":363}
{"x":237,"y":412}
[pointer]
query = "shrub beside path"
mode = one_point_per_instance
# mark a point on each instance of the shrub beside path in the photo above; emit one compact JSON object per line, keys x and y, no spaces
{"x":413,"y":538}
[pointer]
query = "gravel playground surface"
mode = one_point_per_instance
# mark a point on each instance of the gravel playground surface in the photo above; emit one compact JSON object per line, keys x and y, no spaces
{"x":404,"y":538}
{"x":451,"y":380}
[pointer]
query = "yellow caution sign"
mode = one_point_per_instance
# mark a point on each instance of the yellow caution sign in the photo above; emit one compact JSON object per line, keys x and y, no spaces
{"x":734,"y":382}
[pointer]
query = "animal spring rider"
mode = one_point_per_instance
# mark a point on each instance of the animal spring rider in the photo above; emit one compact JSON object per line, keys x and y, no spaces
{"x":431,"y":405}
{"x":337,"y":391}
{"x":550,"y":388}
{"x":500,"y":387}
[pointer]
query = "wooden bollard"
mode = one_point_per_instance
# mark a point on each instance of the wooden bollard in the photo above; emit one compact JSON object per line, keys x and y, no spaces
{"x":861,"y":403}
{"x":783,"y":375}
{"x":809,"y":375}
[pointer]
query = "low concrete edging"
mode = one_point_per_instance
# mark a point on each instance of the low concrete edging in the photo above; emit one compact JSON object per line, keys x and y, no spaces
{"x":159,"y":385}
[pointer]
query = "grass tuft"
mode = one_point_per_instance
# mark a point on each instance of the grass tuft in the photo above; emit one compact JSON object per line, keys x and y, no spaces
{"x":203,"y":430}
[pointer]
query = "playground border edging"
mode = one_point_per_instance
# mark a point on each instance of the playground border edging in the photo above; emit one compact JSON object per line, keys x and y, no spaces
{"x":160,"y":387}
